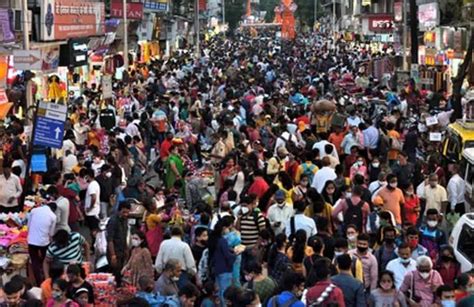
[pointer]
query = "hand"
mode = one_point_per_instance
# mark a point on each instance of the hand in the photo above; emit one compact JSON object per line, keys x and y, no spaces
{"x":113,"y":261}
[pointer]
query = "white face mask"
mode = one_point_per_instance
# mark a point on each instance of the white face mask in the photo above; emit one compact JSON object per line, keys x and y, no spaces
{"x":425,"y":275}
{"x":175,"y":278}
{"x":348,"y":194}
{"x":393,"y":184}
{"x":375,"y":164}
{"x":136,"y":242}
{"x":352,"y":238}
{"x":108,"y":174}
{"x":337,"y":254}
{"x":432,"y":224}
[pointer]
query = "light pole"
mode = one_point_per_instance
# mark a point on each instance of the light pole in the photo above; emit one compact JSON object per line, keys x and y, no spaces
{"x":196,"y":27}
{"x":223,"y":12}
{"x":125,"y":36}
{"x":315,"y":12}
{"x":404,"y":36}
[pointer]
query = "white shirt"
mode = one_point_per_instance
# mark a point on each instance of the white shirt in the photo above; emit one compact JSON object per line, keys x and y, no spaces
{"x":93,"y":189}
{"x":132,"y":130}
{"x":62,"y":213}
{"x":376,"y":186}
{"x":175,"y":248}
{"x":80,"y":132}
{"x":22,"y":165}
{"x":456,"y":187}
{"x":41,"y":226}
{"x":399,"y":270}
{"x":302,"y":222}
{"x":69,"y":162}
{"x":217,"y":217}
{"x":97,"y":166}
{"x":321,"y":177}
{"x":10,"y":187}
{"x":279,"y":214}
{"x":320,"y":146}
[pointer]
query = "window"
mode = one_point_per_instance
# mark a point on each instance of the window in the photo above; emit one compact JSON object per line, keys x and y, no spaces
{"x":454,"y":147}
{"x":466,"y":242}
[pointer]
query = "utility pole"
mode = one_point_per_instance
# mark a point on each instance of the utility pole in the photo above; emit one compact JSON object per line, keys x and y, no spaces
{"x":414,"y":31}
{"x":196,"y":28}
{"x":334,"y":22}
{"x":315,"y":12}
{"x":125,"y":36}
{"x":26,"y":46}
{"x":404,"y":37}
{"x":223,"y":12}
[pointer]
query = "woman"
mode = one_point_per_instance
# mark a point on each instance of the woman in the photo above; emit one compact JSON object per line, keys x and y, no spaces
{"x":299,"y":250}
{"x":59,"y":298}
{"x":56,"y":271}
{"x":412,"y":205}
{"x":229,"y":171}
{"x":359,"y":167}
{"x":329,"y":192}
{"x":447,"y":266}
{"x":299,"y":192}
{"x":174,"y":167}
{"x":154,"y":216}
{"x":140,"y":262}
{"x":234,"y":240}
{"x":221,"y":256}
{"x":278,"y":261}
{"x":386,"y":294}
{"x":285,"y":183}
{"x":263,"y":285}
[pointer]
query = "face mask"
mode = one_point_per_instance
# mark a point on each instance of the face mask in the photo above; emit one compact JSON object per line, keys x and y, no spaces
{"x":136,"y":243}
{"x":362,"y":249}
{"x":376,"y":164}
{"x":405,"y":261}
{"x":248,"y":277}
{"x":348,"y":194}
{"x":393,"y":185}
{"x":108,"y":175}
{"x":389,"y":240}
{"x":409,"y":193}
{"x":425,"y":275}
{"x":386,"y":285}
{"x":352,"y":238}
{"x":470,"y":289}
{"x":446,"y":303}
{"x":432,"y":224}
{"x":175,"y":278}
{"x":57,"y":295}
{"x":245,"y":210}
{"x":446,"y":258}
{"x":337,"y":254}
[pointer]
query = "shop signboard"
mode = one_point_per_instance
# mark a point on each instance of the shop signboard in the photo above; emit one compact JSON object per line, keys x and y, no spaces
{"x":107,"y":87}
{"x":64,"y":19}
{"x":134,"y":9}
{"x":6,"y":31}
{"x":398,"y":11}
{"x":49,"y":126}
{"x":27,"y":59}
{"x":156,"y":5}
{"x":381,"y":23}
{"x":429,"y":39}
{"x":428,"y":16}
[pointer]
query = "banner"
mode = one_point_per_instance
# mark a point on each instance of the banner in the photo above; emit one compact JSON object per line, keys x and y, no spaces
{"x":381,"y":23}
{"x":64,"y":19}
{"x":428,"y":16}
{"x":6,"y":31}
{"x":398,"y":11}
{"x":156,"y":5}
{"x":202,"y":5}
{"x":134,"y":9}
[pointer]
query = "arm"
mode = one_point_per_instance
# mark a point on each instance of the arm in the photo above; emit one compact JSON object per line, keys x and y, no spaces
{"x":374,"y":274}
{"x":341,"y":207}
{"x":452,"y":192}
{"x":159,"y":261}
{"x":87,"y":250}
{"x":189,"y":261}
{"x":46,"y":263}
{"x":299,"y":170}
{"x":110,"y":230}
{"x":444,"y":202}
{"x":19,"y":189}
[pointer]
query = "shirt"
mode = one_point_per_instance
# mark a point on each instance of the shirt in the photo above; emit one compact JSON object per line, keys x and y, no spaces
{"x":456,"y":187}
{"x":165,"y":286}
{"x":92,"y":189}
{"x":69,"y":162}
{"x":370,"y":268}
{"x":434,"y":197}
{"x":175,"y":248}
{"x":250,"y":226}
{"x":132,"y":130}
{"x":117,"y":232}
{"x":321,"y":177}
{"x":353,"y":289}
{"x":371,"y":137}
{"x":335,"y":296}
{"x":10,"y":187}
{"x":348,"y":142}
{"x":302,"y":222}
{"x":41,"y":226}
{"x":399,"y":270}
{"x":392,"y":200}
{"x":279,"y":214}
{"x":422,"y":288}
{"x":71,"y":253}
{"x":62,"y":214}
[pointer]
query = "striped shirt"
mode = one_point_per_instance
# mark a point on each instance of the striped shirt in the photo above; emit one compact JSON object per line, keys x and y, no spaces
{"x":71,"y":253}
{"x":249,"y":229}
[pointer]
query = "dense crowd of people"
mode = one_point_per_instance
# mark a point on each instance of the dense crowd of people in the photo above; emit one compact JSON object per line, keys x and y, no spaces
{"x":254,"y":193}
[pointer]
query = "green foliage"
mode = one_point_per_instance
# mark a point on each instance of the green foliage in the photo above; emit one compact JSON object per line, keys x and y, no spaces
{"x":269,"y":7}
{"x":305,"y":11}
{"x":234,"y":10}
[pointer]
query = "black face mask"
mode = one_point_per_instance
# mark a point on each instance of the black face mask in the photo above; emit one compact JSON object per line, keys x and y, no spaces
{"x":362,"y":249}
{"x":445,"y":258}
{"x":389,"y":241}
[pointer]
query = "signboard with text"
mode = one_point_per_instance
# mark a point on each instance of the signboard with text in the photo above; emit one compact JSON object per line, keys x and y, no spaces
{"x":381,"y":23}
{"x":49,"y":126}
{"x":156,"y":5}
{"x":27,"y":59}
{"x":428,"y":16}
{"x":64,"y":19}
{"x":134,"y":9}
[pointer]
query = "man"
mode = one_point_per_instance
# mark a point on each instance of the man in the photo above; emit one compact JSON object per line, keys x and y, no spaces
{"x":41,"y":227}
{"x":351,"y":140}
{"x":412,"y":238}
{"x":401,"y":265}
{"x":62,"y":208}
{"x":145,"y":284}
{"x":420,"y":285}
{"x":324,"y":289}
{"x":325,"y":174}
{"x":116,"y":234}
{"x":446,"y":296}
{"x":369,"y":262}
{"x":300,"y":221}
{"x":13,"y":294}
{"x":106,"y":189}
{"x":165,"y":146}
{"x":432,"y":237}
{"x":352,"y":288}
{"x":435,"y":195}
{"x":167,"y":284}
{"x":276,"y":163}
{"x":279,"y":213}
{"x":404,"y":170}
{"x":386,"y":251}
{"x":92,"y":203}
{"x":175,"y":248}
{"x":10,"y":190}
{"x":69,"y":161}
{"x":393,"y":199}
{"x":250,"y":221}
{"x":292,"y":286}
{"x":376,"y":186}
{"x":371,"y":137}
{"x":187,"y":296}
{"x":354,"y":210}
{"x":201,"y":235}
{"x":456,"y":188}
{"x":341,"y":247}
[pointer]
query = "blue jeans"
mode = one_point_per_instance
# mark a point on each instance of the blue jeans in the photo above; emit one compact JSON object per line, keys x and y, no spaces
{"x":224,"y":280}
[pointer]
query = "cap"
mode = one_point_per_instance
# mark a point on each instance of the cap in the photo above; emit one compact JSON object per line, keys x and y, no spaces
{"x":280,"y":194}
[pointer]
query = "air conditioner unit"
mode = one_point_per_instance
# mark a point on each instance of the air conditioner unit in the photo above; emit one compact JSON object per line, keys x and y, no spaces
{"x":17,"y":20}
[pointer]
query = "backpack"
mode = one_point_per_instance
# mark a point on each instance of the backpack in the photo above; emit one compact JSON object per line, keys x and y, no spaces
{"x":308,"y":170}
{"x":353,"y":214}
{"x":288,"y":303}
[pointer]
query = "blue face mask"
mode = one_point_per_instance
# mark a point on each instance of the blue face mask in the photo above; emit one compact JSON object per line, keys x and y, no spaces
{"x":448,"y":303}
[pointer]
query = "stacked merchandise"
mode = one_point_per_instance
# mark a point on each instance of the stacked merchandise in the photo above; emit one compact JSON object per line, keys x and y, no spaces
{"x":13,"y":247}
{"x":104,"y":289}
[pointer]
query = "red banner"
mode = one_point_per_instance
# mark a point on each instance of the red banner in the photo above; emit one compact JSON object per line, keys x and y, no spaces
{"x":381,"y":23}
{"x":202,"y":5}
{"x":134,"y":9}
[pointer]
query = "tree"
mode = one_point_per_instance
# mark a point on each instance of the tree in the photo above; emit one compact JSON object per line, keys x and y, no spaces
{"x":234,"y":10}
{"x":269,"y":7}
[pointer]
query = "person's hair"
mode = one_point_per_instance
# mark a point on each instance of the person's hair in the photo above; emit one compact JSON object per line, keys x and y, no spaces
{"x":299,"y":205}
{"x":144,"y":281}
{"x":352,"y":226}
{"x":357,"y":190}
{"x":124,"y":205}
{"x":253,"y":266}
{"x":443,"y":288}
{"x":363,"y":237}
{"x":245,"y":297}
{"x":142,"y":237}
{"x":299,"y":246}
{"x":432,"y":211}
{"x":280,"y":240}
{"x":189,"y":290}
{"x":231,"y":294}
{"x":323,"y":270}
{"x":137,"y":302}
{"x":291,"y":279}
{"x":177,"y":231}
{"x":317,"y":244}
{"x":13,"y":286}
{"x":56,"y":270}
{"x":403,"y":245}
{"x":75,"y":269}
{"x":344,"y":262}
{"x":424,"y":260}
{"x":388,"y":273}
{"x":412,"y":231}
{"x":341,"y":243}
{"x":199,"y":231}
{"x":171,"y":265}
{"x":61,"y":238}
{"x":52,"y":190}
{"x":388,"y":229}
{"x":390,"y":177}
{"x":462,"y":281}
{"x":61,"y":283}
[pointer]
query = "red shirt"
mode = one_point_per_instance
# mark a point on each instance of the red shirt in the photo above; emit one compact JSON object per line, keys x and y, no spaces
{"x":165,"y":149}
{"x":258,"y":187}
{"x":448,"y":274}
{"x":335,"y":297}
{"x":411,"y":202}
